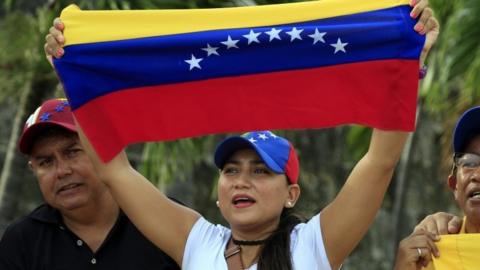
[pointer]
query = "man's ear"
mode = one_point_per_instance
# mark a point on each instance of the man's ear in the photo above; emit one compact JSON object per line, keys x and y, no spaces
{"x":452,"y":182}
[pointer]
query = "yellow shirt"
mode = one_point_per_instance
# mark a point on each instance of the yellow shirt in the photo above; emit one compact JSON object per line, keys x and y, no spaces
{"x":458,"y":252}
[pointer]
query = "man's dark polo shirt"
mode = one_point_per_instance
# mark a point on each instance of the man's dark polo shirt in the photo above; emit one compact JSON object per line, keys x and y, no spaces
{"x":41,"y":241}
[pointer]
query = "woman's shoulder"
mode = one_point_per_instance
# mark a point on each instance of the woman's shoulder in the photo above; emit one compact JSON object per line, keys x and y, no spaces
{"x":307,"y":247}
{"x":205,"y":245}
{"x":312,"y":225}
{"x":209,"y":231}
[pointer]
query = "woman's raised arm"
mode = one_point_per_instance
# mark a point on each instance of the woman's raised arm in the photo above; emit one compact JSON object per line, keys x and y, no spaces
{"x":164,"y":222}
{"x":345,"y":221}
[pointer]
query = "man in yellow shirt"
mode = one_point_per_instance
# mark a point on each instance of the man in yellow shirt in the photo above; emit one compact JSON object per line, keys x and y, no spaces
{"x":458,"y":251}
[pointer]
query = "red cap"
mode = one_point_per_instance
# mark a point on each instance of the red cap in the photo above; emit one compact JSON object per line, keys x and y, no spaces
{"x":53,"y":112}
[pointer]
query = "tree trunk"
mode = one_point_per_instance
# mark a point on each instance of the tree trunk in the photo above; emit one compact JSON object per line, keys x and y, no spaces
{"x":12,"y":152}
{"x":16,"y":181}
{"x":400,"y":191}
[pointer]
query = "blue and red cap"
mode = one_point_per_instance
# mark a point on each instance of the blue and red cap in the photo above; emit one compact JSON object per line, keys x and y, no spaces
{"x":468,"y":126}
{"x":277,"y":153}
{"x":53,"y":112}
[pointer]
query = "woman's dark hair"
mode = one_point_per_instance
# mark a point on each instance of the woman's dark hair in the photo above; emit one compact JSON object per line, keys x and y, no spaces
{"x":275,"y":254}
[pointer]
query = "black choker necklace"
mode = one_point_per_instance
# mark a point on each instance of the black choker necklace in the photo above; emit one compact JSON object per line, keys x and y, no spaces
{"x":248,"y":242}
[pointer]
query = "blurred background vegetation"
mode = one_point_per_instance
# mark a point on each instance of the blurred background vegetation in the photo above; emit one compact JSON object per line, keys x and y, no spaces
{"x":185,"y":170}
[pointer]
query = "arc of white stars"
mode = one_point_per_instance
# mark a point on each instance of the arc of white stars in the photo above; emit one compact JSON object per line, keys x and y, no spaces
{"x":318,"y":36}
{"x":295,"y":34}
{"x":211,"y":50}
{"x":274,"y":34}
{"x":252,"y":37}
{"x":339,"y":46}
{"x":230,"y":43}
{"x":194,"y":62}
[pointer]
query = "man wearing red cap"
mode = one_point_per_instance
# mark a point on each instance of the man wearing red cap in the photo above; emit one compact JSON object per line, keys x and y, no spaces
{"x":80,"y":226}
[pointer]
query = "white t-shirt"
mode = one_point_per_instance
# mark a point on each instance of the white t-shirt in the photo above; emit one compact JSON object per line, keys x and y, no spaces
{"x":206,"y":245}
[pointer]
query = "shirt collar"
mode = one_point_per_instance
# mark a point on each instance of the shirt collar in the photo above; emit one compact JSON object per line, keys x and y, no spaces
{"x":46,"y":213}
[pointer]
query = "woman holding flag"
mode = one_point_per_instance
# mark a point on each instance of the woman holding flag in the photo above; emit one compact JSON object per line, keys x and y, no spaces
{"x":257,"y":190}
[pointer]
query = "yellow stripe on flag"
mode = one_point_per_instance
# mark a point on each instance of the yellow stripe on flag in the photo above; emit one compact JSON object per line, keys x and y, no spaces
{"x":97,"y":26}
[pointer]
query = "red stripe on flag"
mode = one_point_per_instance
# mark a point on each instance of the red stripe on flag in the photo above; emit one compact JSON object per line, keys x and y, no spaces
{"x":384,"y":97}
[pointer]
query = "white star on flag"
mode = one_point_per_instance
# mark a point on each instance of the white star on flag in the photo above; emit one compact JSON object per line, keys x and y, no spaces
{"x":274,"y":34}
{"x":295,"y":34}
{"x":252,"y":140}
{"x":263,"y":136}
{"x":211,"y":50}
{"x":230,"y":43}
{"x":339,"y":46}
{"x":317,"y":36}
{"x":252,"y":37}
{"x":194,"y":62}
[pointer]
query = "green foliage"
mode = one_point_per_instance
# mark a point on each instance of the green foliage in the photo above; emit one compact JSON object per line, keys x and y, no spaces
{"x":175,"y":161}
{"x":21,"y":49}
{"x":357,"y":141}
{"x":17,"y":43}
{"x":466,"y":33}
{"x":454,"y":62}
{"x":7,"y":4}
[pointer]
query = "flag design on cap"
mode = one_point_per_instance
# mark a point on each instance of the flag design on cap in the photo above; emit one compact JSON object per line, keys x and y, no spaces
{"x":48,"y":112}
{"x":51,"y":112}
{"x":277,"y":153}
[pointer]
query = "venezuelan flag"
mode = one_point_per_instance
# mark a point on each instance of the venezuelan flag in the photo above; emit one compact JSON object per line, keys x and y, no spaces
{"x":148,"y":75}
{"x":457,"y":252}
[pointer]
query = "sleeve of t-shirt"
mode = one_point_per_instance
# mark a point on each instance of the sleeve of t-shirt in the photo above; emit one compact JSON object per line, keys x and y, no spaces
{"x":204,"y":240}
{"x":310,"y":237}
{"x":11,"y":257}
